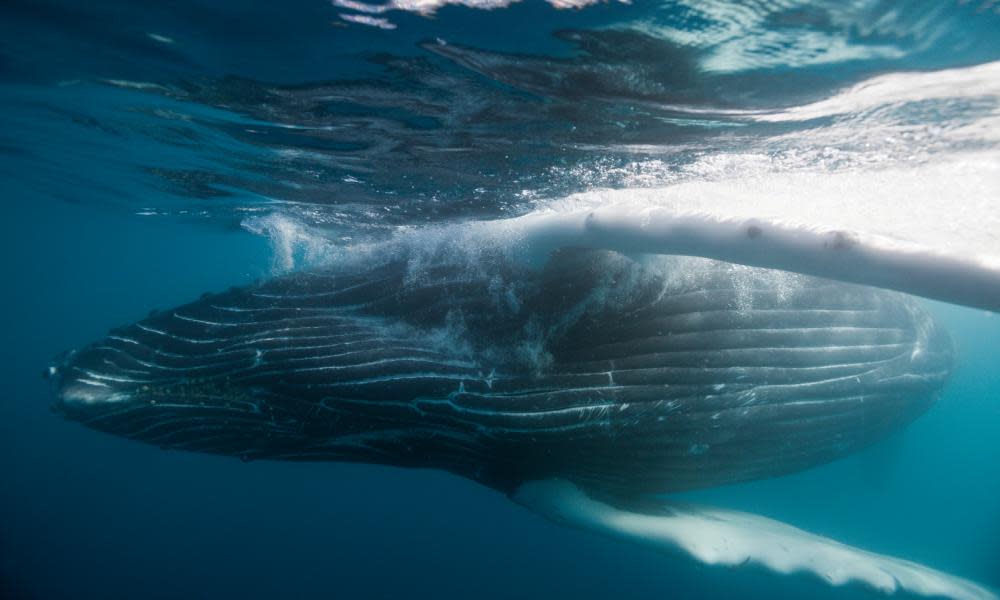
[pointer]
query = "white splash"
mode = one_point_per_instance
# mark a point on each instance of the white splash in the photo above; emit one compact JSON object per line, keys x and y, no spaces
{"x":292,"y":242}
{"x":875,"y":194}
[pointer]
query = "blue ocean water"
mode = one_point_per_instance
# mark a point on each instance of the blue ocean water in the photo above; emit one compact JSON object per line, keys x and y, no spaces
{"x":151,"y":153}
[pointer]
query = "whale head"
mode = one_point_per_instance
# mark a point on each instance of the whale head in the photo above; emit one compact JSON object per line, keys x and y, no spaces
{"x":178,"y":408}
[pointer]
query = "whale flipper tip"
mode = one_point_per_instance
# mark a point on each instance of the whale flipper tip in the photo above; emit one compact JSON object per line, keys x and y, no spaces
{"x":730,"y":538}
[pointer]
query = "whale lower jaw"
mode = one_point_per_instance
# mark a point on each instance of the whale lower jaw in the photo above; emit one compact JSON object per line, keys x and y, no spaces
{"x":721,"y":537}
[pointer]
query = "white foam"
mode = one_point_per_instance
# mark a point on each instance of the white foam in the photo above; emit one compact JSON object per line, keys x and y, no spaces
{"x":874,"y":193}
{"x":293,"y":243}
{"x":896,"y":88}
{"x":928,"y":229}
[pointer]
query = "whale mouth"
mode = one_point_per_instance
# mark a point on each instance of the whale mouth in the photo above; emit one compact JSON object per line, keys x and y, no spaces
{"x":84,"y":393}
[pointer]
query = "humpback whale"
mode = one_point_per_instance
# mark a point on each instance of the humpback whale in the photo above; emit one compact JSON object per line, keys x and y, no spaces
{"x":582,"y":388}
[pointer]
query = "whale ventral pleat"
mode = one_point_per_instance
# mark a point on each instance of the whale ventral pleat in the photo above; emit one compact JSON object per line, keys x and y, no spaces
{"x":625,"y":374}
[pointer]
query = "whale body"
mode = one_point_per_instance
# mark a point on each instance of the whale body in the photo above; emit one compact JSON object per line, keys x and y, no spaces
{"x":576,"y":388}
{"x":598,"y":368}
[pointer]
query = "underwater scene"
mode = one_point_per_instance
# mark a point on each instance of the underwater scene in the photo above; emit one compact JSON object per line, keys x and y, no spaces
{"x":500,"y":299}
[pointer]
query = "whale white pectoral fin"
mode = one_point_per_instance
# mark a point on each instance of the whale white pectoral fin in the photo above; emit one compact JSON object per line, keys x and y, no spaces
{"x":731,"y":538}
{"x":854,"y":256}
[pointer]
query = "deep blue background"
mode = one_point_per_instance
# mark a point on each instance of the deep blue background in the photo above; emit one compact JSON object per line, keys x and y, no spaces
{"x":84,"y":514}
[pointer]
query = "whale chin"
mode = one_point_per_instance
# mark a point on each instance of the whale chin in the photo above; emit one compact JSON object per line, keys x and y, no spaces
{"x":618,"y":374}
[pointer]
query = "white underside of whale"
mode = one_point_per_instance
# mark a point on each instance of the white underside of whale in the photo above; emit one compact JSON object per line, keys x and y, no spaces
{"x":730,"y":538}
